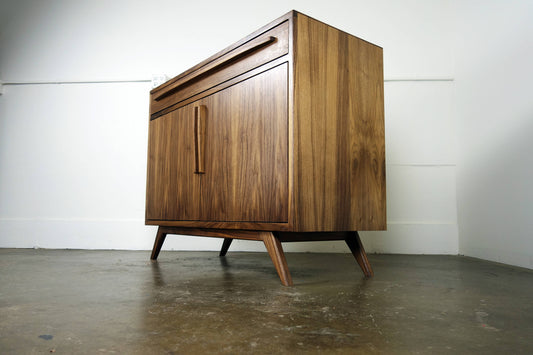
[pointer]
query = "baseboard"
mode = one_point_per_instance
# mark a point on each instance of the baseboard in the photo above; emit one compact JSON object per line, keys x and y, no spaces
{"x":132,"y":234}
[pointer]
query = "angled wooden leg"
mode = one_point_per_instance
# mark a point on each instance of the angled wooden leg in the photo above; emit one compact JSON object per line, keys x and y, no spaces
{"x":273,"y":246}
{"x":354,"y":242}
{"x":158,"y":243}
{"x":225,"y":246}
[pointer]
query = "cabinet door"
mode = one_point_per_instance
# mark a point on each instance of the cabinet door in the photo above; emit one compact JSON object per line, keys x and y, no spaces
{"x":246,"y":151}
{"x":172,"y":187}
{"x":242,"y":150}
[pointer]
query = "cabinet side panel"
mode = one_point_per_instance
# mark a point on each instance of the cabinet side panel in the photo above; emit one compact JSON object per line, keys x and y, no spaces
{"x":339,"y":130}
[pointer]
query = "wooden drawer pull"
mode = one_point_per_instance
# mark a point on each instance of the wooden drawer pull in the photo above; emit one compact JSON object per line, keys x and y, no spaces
{"x":208,"y":69}
{"x":199,"y":139}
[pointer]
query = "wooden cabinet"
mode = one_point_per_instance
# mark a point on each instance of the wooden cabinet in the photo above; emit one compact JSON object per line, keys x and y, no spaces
{"x":277,"y":138}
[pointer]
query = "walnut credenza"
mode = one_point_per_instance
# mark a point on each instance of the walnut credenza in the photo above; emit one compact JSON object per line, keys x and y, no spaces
{"x":277,"y":138}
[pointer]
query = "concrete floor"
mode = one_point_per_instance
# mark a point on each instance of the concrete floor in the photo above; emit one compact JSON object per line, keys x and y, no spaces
{"x":93,"y":302}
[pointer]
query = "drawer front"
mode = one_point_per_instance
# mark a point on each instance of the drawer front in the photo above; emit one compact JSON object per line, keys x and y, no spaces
{"x":262,"y":49}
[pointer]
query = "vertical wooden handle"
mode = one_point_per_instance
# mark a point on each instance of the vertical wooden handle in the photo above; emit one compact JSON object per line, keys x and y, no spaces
{"x":199,"y":138}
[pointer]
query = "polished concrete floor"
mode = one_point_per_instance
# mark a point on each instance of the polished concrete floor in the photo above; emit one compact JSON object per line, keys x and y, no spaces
{"x":101,"y":302}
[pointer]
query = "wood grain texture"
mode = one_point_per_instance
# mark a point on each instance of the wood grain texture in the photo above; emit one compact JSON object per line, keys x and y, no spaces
{"x":244,"y":156}
{"x":223,"y":85}
{"x":334,"y":152}
{"x":259,"y":226}
{"x":216,"y":233}
{"x":165,"y":86}
{"x":338,"y":130}
{"x":247,"y":49}
{"x":246,"y":151}
{"x":222,"y":68}
{"x":272,"y":140}
{"x":356,"y":246}
{"x":277,"y":255}
{"x":158,"y":243}
{"x":172,"y":187}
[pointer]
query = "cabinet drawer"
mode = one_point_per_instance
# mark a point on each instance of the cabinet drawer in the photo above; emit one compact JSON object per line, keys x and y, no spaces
{"x":259,"y":50}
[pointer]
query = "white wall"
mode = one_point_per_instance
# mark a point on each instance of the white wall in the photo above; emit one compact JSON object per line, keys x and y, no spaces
{"x":72,"y":156}
{"x":494,"y":83}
